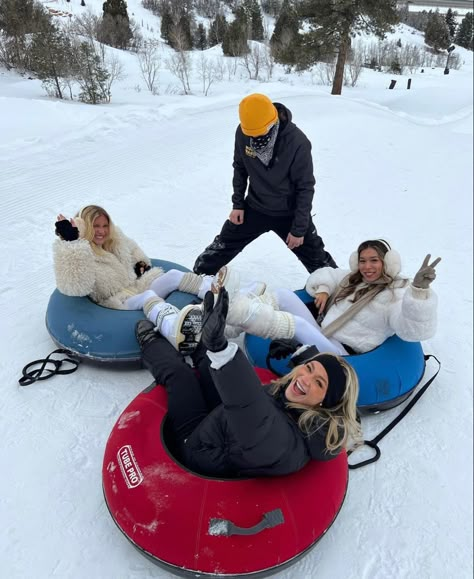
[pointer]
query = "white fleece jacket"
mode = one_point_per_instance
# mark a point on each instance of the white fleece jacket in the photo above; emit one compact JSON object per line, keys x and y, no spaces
{"x":401,"y":309}
{"x":107,"y":278}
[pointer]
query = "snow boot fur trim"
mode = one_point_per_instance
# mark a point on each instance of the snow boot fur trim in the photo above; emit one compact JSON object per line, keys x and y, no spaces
{"x":190,"y":283}
{"x":150,"y":304}
{"x":255,"y":317}
{"x":268,"y":297}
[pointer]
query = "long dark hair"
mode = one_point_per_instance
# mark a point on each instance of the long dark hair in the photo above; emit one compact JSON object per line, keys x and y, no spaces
{"x":350,"y":283}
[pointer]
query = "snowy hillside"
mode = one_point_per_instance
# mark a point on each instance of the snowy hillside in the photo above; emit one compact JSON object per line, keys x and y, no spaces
{"x":395,"y":164}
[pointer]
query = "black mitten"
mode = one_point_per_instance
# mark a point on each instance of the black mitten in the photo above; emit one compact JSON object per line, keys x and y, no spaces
{"x":140,"y":268}
{"x":66,"y":230}
{"x":282,"y":348}
{"x":214,"y":320}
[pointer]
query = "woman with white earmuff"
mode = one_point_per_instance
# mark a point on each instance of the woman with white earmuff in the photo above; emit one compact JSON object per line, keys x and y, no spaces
{"x":361,"y":307}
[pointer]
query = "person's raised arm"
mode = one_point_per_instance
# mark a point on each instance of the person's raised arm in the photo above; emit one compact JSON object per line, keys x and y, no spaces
{"x":414,"y":317}
{"x":249,"y":409}
{"x":73,"y":259}
{"x":66,"y":229}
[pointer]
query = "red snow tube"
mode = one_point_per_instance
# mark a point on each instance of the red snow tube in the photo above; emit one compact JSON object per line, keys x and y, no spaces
{"x":196,"y":526}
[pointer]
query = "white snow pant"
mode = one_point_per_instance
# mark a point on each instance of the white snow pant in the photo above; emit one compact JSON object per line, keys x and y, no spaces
{"x":171,"y":281}
{"x":257,"y":316}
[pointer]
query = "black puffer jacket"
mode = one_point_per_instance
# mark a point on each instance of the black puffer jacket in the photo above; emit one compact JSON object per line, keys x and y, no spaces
{"x":250,"y":433}
{"x":284,"y":188}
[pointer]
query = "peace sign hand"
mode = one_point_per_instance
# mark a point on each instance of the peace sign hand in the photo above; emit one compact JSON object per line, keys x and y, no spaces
{"x":426,"y":274}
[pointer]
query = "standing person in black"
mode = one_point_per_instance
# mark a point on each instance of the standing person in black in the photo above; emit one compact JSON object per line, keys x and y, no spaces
{"x":273,"y":157}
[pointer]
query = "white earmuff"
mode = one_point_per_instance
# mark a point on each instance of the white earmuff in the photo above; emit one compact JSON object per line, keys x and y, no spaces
{"x":354,"y":261}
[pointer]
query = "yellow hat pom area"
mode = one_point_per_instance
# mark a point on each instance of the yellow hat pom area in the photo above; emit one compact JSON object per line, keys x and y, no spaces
{"x":257,"y":114}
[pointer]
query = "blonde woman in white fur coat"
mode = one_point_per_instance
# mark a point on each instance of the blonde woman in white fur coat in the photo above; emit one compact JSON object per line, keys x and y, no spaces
{"x":92,"y":257}
{"x":362,"y":307}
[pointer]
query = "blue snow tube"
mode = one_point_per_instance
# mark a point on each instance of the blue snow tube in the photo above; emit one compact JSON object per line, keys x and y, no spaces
{"x":101,"y":334}
{"x":387,"y":375}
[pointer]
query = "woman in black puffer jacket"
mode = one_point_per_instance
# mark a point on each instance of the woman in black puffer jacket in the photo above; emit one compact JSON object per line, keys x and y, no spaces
{"x":225,"y":424}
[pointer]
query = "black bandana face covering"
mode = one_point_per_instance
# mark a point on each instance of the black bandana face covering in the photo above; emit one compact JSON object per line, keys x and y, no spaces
{"x":259,"y":143}
{"x":263,"y":146}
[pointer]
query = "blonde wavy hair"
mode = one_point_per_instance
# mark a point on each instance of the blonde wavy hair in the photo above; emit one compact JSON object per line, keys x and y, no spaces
{"x":88,"y":215}
{"x":343,"y":428}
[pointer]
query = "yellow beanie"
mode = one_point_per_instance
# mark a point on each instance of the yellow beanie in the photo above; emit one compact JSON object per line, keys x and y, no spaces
{"x":257,"y":113}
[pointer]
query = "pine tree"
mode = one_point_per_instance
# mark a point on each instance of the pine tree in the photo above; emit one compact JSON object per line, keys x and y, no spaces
{"x":183,"y":39}
{"x":236,"y":36}
{"x":437,"y":32}
{"x":285,"y":41}
{"x":18,"y":20}
{"x":464,"y":35}
{"x":51,"y":58}
{"x":450,"y":18}
{"x":217,"y":30}
{"x":166,"y":25}
{"x":115,"y":27}
{"x":272,"y":7}
{"x":395,"y":66}
{"x":333,"y":22}
{"x":253,"y":15}
{"x":115,"y":8}
{"x":91,"y":75}
{"x":19,"y":17}
{"x":201,"y":37}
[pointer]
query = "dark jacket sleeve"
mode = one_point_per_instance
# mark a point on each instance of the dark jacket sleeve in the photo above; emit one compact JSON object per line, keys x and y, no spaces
{"x":250,"y":411}
{"x":239,"y":182}
{"x":302,"y":177}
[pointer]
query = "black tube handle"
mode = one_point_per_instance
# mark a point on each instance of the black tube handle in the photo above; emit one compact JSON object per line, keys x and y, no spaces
{"x":226,"y":528}
{"x":372,"y":444}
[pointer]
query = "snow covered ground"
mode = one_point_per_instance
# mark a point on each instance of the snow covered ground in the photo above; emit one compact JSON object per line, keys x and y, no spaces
{"x":393,"y":164}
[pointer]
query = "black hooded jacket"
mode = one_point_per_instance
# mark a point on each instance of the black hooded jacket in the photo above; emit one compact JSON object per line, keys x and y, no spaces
{"x":251,"y":433}
{"x":286,"y":187}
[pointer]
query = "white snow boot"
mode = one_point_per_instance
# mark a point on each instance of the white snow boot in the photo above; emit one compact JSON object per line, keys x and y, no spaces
{"x":228,"y":278}
{"x":182,"y":328}
{"x":256,"y":317}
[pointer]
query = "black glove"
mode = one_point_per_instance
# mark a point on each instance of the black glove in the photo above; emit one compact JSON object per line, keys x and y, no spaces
{"x":282,"y":348}
{"x":213,"y":321}
{"x":66,"y":230}
{"x":140,"y":268}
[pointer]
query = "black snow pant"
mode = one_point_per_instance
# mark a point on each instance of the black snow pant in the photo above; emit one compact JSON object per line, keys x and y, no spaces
{"x":191,"y":395}
{"x":234,"y":238}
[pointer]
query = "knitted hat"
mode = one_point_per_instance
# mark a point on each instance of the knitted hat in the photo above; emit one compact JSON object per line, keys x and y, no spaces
{"x":336,"y":379}
{"x":257,"y":114}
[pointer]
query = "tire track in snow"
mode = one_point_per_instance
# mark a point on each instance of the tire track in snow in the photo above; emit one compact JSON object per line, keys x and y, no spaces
{"x":33,"y":190}
{"x":163,"y":146}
